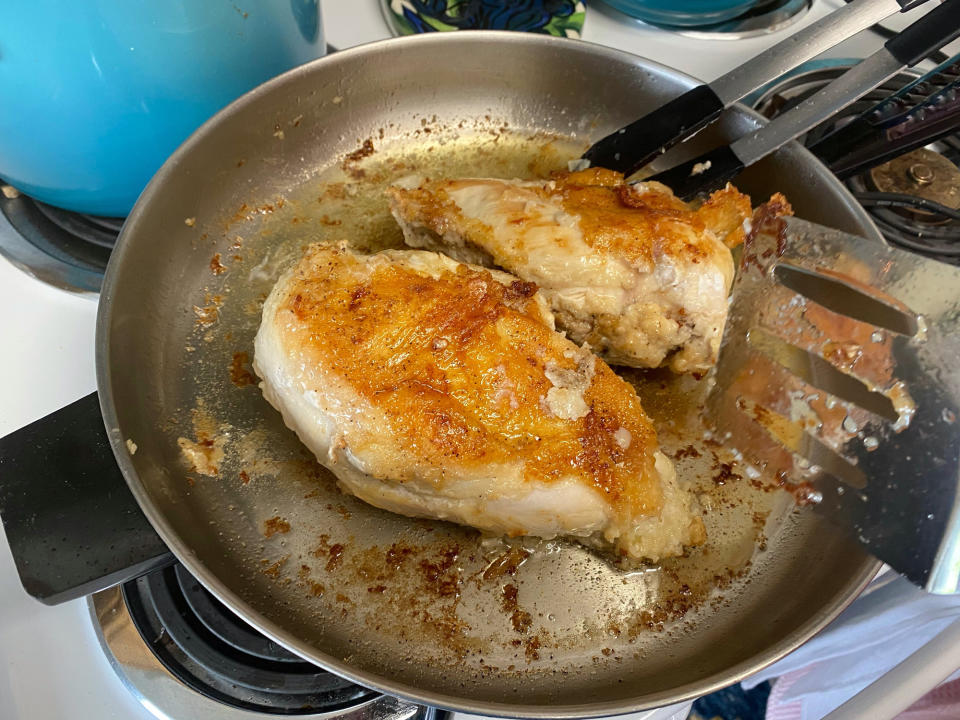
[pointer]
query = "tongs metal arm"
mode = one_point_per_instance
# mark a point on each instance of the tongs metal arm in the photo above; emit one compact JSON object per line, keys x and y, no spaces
{"x":922,"y":112}
{"x":633,"y":146}
{"x":711,"y":170}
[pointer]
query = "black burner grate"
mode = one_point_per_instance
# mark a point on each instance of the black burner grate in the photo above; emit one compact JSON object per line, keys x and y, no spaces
{"x":210,"y":649}
{"x":100,"y":231}
{"x":62,"y":248}
{"x":909,"y":222}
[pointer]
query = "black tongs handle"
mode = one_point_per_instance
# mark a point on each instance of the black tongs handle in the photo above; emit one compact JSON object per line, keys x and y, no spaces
{"x":630,"y":148}
{"x":712,"y":170}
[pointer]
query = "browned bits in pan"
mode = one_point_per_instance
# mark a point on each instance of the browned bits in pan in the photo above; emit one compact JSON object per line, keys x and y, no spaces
{"x":519,"y":618}
{"x":208,"y":314}
{"x":686,"y":452}
{"x":323,"y":548}
{"x":335,"y":557}
{"x":397,"y":555}
{"x":239,"y":375}
{"x":273,"y":570}
{"x":365,"y":150}
{"x":505,"y":564}
{"x":442,"y":578}
{"x":532,"y":648}
{"x":274,"y":526}
{"x":216,"y":265}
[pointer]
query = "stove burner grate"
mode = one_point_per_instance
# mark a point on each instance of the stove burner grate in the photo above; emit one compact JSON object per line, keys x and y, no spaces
{"x":100,"y":231}
{"x":905,"y":216}
{"x":922,"y":236}
{"x":211,"y":650}
{"x":62,"y":248}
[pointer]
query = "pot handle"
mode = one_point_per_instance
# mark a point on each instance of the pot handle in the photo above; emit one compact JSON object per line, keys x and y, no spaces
{"x":73,"y":526}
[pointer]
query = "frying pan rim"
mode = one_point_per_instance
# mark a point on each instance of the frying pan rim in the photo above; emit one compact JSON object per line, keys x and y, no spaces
{"x":285,"y":638}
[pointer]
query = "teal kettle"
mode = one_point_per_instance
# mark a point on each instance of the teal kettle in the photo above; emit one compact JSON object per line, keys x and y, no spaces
{"x":94,"y":95}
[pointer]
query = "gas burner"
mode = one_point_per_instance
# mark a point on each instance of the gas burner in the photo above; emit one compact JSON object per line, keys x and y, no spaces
{"x":61,"y":248}
{"x":764,"y":18}
{"x":914,"y":199}
{"x":183,"y":654}
{"x":924,"y":174}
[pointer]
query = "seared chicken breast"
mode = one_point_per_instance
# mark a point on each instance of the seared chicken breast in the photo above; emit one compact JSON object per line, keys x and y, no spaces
{"x":629,"y":269}
{"x":435,"y":389}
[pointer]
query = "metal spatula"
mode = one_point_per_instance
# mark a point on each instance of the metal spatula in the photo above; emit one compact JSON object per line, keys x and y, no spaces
{"x":840,"y":369}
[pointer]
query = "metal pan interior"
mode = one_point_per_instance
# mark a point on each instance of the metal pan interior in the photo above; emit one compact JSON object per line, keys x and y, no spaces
{"x":421,"y":609}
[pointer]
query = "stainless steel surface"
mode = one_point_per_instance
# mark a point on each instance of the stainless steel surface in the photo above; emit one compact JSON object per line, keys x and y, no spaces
{"x":861,"y":78}
{"x":161,"y":377}
{"x":801,"y":46}
{"x":842,"y":351}
{"x":166,"y":698}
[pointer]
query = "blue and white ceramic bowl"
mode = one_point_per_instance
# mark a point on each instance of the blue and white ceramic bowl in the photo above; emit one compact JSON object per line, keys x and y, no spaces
{"x":563,"y":18}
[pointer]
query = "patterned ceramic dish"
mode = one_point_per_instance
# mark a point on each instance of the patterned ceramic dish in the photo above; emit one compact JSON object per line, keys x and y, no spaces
{"x":563,"y":18}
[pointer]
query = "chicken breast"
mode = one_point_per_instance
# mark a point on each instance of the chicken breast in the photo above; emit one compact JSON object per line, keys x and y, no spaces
{"x":435,"y":389}
{"x":630,"y":269}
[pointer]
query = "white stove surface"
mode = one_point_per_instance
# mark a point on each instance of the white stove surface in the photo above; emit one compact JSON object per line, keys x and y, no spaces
{"x":51,"y":664}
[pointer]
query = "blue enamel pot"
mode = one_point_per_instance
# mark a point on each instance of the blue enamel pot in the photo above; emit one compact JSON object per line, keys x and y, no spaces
{"x":94,"y":95}
{"x":683,"y":13}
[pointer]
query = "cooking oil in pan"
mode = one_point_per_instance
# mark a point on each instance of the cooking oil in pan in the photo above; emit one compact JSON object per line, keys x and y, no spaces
{"x":396,"y":592}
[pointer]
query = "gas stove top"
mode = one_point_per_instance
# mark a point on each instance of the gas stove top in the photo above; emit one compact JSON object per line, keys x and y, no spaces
{"x":897,"y":194}
{"x":160,"y":647}
{"x":182,"y":653}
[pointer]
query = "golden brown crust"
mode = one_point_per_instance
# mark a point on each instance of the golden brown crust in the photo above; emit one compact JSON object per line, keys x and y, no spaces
{"x":644,"y":221}
{"x":724,"y":213}
{"x":640,"y":222}
{"x":459,"y":363}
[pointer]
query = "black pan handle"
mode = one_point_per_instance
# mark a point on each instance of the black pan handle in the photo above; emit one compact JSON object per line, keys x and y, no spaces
{"x":937,"y":28}
{"x":73,"y":526}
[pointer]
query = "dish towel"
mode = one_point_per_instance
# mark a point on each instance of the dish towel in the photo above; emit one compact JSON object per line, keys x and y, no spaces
{"x":888,"y":622}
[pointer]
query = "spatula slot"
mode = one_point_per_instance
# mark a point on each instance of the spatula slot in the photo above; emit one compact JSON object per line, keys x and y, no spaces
{"x":844,"y":298}
{"x":802,"y":444}
{"x":822,"y":375}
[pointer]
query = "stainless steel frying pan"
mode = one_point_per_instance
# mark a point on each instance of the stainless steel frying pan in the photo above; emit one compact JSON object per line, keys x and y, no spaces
{"x":417,"y":609}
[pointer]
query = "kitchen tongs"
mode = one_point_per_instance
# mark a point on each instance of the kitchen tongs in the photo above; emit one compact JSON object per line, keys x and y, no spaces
{"x":714,"y":168}
{"x":921,"y":112}
{"x":839,"y":372}
{"x":632,"y":147}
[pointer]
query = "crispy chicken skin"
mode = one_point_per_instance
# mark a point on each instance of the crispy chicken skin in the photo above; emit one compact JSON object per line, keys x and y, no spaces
{"x":435,"y":389}
{"x":629,"y":269}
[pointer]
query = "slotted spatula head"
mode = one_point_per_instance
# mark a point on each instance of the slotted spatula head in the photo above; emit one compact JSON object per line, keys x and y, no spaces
{"x":840,"y":369}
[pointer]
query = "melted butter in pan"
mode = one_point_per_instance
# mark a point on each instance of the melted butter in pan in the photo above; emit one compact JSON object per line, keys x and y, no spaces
{"x":480,"y":602}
